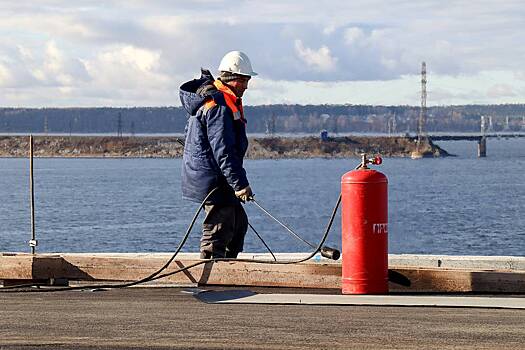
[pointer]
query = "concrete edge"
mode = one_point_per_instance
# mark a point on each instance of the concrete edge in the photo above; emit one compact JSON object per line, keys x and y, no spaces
{"x":248,"y":297}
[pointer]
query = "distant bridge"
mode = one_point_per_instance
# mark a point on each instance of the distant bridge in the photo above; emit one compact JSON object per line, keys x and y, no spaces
{"x":480,"y":137}
{"x":471,"y":136}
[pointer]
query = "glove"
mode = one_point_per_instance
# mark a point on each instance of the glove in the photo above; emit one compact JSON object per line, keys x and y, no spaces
{"x":245,"y":194}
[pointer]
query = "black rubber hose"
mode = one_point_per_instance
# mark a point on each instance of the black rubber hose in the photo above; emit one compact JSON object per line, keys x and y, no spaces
{"x":156,"y":275}
{"x":128,"y":284}
{"x":327,"y":252}
{"x":321,"y":243}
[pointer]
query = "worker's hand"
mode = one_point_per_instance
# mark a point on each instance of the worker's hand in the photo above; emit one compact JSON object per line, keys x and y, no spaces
{"x":245,"y":194}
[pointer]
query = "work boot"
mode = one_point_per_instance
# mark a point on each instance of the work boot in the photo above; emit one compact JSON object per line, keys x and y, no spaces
{"x":214,"y":255}
{"x":205,"y":255}
{"x":231,"y":254}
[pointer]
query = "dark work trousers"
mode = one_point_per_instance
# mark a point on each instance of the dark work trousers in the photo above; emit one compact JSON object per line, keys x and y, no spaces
{"x":223,"y":230}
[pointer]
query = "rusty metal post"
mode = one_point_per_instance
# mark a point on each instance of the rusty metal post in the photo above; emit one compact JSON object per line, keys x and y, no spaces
{"x":33,"y":242}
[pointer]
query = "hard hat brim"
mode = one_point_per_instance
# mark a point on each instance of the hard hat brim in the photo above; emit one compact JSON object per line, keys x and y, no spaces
{"x":251,"y":74}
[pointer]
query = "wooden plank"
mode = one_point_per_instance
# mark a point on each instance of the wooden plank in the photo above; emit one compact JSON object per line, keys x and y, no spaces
{"x":310,"y":274}
{"x":461,"y":280}
{"x":430,"y":280}
{"x":494,"y":281}
{"x":16,"y":266}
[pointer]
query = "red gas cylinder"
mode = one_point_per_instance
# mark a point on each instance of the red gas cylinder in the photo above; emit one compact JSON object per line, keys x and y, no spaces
{"x":365,"y":230}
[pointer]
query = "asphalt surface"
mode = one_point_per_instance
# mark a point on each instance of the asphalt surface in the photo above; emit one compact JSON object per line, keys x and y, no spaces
{"x":162,"y":318}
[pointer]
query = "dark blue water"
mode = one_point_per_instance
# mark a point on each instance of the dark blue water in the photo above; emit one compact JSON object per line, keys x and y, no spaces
{"x":462,"y":205}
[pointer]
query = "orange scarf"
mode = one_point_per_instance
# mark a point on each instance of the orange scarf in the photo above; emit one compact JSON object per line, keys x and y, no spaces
{"x":233,"y":102}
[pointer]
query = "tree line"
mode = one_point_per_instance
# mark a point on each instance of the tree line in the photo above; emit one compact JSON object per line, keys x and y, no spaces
{"x":265,"y":119}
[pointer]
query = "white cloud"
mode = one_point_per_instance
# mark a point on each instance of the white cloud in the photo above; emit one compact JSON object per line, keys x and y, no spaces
{"x":520,"y":74}
{"x":328,"y":30}
{"x":133,"y":57}
{"x":56,"y":68}
{"x":127,"y":67}
{"x":320,"y":60}
{"x":389,"y":63}
{"x":168,"y":25}
{"x":25,"y":53}
{"x":44,"y":24}
{"x":54,"y":58}
{"x":5,"y":75}
{"x":442,"y":90}
{"x":353,"y":35}
{"x":500,"y":90}
{"x":138,"y":52}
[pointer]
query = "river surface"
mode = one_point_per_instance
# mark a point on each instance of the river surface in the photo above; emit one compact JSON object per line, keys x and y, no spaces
{"x":459,"y":205}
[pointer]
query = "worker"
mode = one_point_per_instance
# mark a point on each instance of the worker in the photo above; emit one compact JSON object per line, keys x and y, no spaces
{"x":214,"y":150}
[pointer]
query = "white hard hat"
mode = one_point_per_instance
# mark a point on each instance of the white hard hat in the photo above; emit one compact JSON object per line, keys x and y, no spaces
{"x":236,"y":62}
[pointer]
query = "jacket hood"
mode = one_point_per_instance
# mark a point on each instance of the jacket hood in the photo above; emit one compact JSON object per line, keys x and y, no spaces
{"x":190,"y":99}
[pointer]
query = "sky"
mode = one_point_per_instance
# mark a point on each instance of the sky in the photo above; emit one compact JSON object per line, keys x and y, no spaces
{"x":62,"y":53}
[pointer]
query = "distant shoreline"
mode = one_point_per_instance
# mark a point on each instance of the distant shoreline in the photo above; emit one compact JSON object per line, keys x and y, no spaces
{"x":168,"y":147}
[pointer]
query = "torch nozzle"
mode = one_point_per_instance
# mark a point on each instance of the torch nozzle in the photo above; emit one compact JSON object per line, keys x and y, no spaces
{"x":330,"y":253}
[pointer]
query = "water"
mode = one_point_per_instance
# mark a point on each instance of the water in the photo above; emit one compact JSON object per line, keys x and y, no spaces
{"x":461,"y":205}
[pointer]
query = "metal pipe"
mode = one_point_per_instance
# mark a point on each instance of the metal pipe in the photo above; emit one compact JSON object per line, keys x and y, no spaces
{"x":280,"y":223}
{"x":33,"y":241}
{"x":263,"y":242}
{"x":327,"y":252}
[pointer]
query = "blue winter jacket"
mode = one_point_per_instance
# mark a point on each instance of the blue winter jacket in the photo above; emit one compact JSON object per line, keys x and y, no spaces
{"x":215,"y":145}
